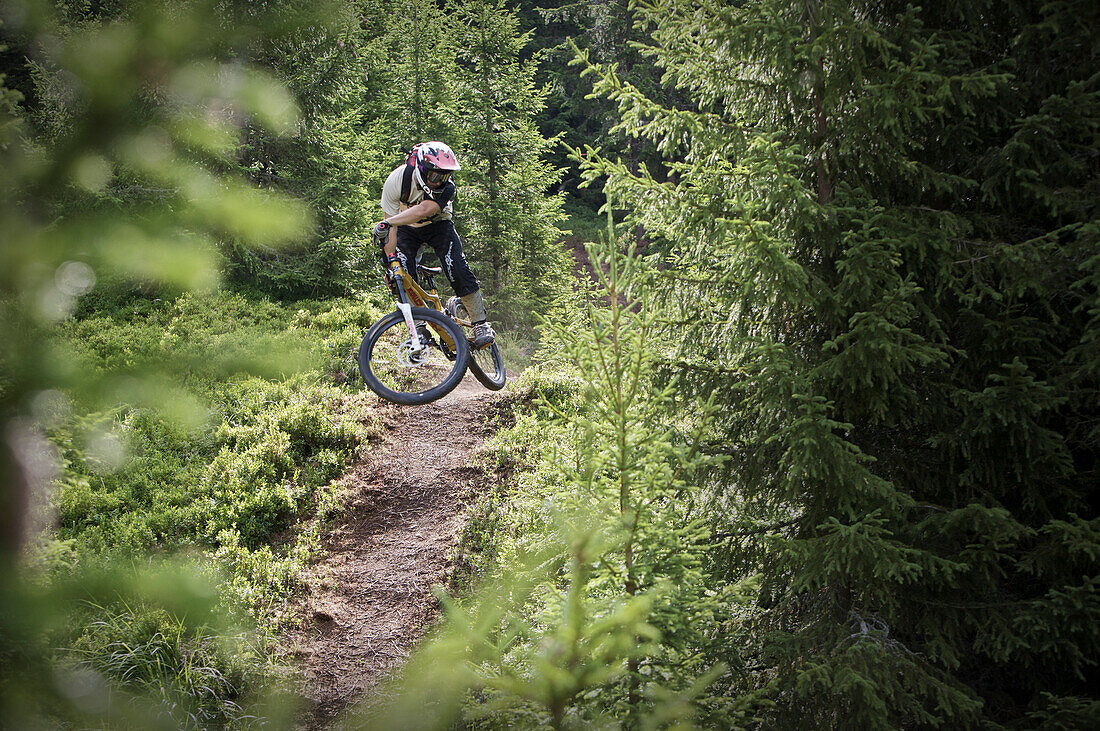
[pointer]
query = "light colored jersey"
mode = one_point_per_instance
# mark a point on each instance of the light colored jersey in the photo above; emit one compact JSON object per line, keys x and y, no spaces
{"x":391,"y":197}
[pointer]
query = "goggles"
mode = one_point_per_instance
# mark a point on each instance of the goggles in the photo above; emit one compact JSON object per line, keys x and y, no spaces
{"x":437,"y":178}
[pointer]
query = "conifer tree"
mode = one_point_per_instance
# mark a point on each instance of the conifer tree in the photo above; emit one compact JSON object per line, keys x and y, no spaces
{"x":881,"y":241}
{"x":509,"y":217}
{"x":415,"y":103}
{"x":328,"y":68}
{"x":605,"y":614}
{"x":605,"y":29}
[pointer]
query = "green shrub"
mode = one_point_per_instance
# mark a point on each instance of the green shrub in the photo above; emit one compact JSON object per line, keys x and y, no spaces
{"x":256,"y":461}
{"x":280,"y":446}
{"x":196,"y":673}
{"x":340,"y":325}
{"x":133,"y":505}
{"x":247,"y":484}
{"x":524,"y":435}
{"x":517,"y":351}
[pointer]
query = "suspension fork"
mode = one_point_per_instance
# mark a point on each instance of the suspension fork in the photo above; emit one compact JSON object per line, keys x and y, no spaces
{"x":406,"y":308}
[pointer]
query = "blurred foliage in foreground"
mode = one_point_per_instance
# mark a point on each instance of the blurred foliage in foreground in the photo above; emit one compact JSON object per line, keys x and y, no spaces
{"x":130,"y":187}
{"x":124,"y":176}
{"x":150,"y":150}
{"x":233,"y":507}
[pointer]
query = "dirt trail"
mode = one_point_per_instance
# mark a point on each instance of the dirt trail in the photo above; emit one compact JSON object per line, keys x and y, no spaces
{"x":369,"y":597}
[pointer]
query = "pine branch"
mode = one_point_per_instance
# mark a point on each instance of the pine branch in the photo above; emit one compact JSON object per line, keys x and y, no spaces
{"x":757,"y":531}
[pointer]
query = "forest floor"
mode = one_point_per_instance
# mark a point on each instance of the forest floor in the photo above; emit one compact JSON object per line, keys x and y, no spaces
{"x":369,"y":597}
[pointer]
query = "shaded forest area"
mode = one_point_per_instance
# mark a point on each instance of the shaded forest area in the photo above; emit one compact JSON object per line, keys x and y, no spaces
{"x":816,"y":449}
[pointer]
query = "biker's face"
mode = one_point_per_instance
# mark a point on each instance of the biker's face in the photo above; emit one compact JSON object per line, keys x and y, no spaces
{"x":437,"y":178}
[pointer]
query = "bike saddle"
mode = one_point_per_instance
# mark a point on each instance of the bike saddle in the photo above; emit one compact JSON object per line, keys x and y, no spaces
{"x":429,"y":270}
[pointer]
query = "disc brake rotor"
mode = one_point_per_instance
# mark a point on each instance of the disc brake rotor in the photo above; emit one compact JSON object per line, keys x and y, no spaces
{"x":409,"y":357}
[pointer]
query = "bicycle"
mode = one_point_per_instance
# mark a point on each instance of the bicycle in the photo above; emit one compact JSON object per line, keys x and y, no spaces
{"x":420,"y":352}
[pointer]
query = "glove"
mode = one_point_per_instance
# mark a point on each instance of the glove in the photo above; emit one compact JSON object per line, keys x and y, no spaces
{"x":380,"y":233}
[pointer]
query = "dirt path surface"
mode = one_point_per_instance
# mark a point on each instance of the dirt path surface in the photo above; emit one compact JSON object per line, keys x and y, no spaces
{"x":369,"y":596}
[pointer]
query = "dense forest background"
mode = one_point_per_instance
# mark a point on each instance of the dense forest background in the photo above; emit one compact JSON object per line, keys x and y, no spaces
{"x":812,"y":444}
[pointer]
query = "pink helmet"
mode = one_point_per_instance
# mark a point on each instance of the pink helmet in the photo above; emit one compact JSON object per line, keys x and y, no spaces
{"x":435,"y":162}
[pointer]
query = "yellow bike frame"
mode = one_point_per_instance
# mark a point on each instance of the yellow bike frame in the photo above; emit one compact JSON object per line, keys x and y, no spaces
{"x":411,"y":294}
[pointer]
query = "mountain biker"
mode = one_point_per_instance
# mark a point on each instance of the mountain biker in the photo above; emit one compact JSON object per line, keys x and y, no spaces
{"x":417,"y":199}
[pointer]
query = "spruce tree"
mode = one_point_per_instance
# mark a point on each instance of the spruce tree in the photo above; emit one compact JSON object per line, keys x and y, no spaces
{"x":328,"y":162}
{"x":508,"y":217}
{"x":605,"y":29}
{"x":882,"y":258}
{"x":602,"y":614}
{"x":414,"y":99}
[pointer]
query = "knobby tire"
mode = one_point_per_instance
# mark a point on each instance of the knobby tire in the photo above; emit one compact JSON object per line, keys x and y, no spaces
{"x":380,"y":365}
{"x":487,"y":365}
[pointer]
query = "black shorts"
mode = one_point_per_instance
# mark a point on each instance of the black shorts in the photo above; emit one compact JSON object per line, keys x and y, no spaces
{"x":443,"y":239}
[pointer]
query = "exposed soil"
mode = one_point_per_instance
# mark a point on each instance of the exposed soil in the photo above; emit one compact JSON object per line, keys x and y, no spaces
{"x":369,"y":598}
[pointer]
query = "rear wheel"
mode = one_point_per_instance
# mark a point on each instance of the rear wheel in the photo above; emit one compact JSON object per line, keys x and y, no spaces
{"x":487,"y":365}
{"x":397,"y":371}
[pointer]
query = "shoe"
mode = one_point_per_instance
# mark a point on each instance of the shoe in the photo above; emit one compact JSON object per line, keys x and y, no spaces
{"x":483,"y":335}
{"x":424,"y":333}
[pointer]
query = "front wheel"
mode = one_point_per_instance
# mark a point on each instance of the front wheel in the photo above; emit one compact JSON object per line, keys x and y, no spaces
{"x":487,"y":365}
{"x":395,"y":369}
